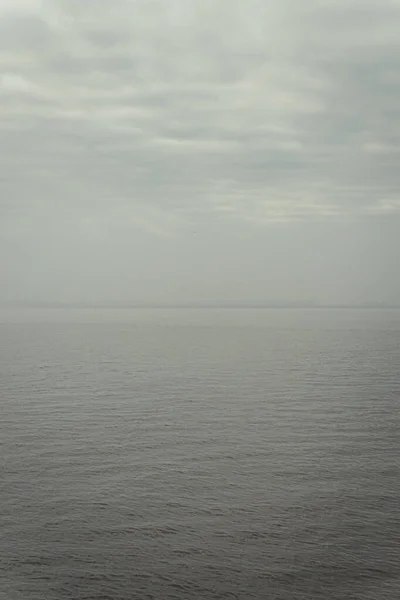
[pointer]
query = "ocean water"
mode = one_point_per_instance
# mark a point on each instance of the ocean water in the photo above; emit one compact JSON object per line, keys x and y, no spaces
{"x":200,"y":454}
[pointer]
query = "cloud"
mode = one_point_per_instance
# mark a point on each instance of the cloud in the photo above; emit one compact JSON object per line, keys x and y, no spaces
{"x":151,"y":120}
{"x":260,"y":111}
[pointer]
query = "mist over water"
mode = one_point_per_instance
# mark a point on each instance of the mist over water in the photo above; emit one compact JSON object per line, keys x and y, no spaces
{"x":210,"y":454}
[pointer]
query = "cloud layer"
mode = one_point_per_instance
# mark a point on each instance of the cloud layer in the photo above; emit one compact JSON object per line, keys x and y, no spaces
{"x":163,"y":116}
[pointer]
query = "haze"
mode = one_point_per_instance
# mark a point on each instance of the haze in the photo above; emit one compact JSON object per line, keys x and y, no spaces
{"x":195,"y":151}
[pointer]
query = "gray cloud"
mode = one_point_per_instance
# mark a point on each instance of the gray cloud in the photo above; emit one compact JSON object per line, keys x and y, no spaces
{"x":160,"y":120}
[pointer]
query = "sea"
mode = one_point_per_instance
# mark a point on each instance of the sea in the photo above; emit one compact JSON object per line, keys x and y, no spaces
{"x":176,"y":454}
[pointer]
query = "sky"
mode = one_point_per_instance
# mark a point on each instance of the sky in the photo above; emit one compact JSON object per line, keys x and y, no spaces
{"x":199,"y":151}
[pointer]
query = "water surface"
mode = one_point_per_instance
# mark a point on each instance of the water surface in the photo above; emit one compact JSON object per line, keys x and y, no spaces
{"x":211,"y":454}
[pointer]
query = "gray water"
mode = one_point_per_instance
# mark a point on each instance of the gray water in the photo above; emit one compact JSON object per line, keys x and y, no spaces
{"x":200,"y":454}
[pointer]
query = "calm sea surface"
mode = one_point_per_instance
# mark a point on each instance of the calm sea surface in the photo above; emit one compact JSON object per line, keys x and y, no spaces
{"x":231,"y":454}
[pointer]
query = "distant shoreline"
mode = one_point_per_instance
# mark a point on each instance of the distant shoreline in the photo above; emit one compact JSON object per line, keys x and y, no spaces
{"x":199,"y":307}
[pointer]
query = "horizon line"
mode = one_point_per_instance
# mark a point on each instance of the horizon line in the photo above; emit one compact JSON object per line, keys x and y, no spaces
{"x":154,"y":306}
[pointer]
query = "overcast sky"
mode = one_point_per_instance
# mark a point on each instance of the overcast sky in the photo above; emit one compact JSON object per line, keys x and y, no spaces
{"x":211,"y":151}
